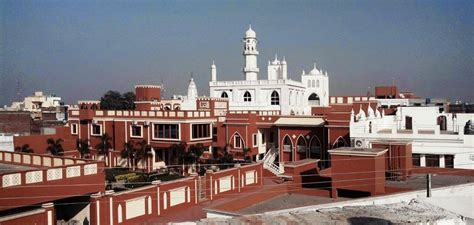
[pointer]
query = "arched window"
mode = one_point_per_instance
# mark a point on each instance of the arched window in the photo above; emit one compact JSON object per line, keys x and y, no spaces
{"x":287,"y":145}
{"x":290,"y":99}
{"x":315,"y":148}
{"x":247,"y":97}
{"x":309,"y":83}
{"x":224,"y":95}
{"x":301,"y":145}
{"x":275,"y":98}
{"x":313,"y":99}
{"x":312,"y":83}
{"x":119,"y":213}
{"x":317,"y":83}
{"x":340,"y":142}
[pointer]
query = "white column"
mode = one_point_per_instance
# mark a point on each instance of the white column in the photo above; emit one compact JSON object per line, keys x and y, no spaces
{"x":422,"y":161}
{"x":441,"y":161}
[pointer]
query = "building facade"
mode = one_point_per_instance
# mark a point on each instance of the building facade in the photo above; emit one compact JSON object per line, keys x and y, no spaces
{"x":276,"y":93}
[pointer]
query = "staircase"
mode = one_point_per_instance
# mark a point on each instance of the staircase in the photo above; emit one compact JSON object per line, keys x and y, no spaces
{"x":269,"y":162}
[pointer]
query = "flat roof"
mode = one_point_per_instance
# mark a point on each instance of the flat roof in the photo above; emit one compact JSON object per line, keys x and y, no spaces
{"x":358,"y":151}
{"x":299,"y":121}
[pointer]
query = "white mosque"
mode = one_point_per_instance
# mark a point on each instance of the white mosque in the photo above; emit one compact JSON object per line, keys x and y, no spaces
{"x":277,"y":92}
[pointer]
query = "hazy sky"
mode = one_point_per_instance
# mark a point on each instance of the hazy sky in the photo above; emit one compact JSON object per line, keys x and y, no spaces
{"x":81,"y":49}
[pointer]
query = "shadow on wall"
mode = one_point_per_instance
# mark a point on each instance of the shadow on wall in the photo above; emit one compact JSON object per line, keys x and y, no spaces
{"x":367,"y":221}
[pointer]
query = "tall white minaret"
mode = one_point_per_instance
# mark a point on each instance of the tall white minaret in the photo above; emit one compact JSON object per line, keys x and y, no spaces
{"x":213,"y":72}
{"x":250,"y":52}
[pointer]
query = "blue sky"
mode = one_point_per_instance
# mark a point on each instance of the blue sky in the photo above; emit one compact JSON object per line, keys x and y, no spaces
{"x":81,"y":49}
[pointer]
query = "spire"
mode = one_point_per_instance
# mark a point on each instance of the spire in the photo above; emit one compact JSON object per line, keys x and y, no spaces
{"x":315,"y":70}
{"x":192,"y":90}
{"x":213,"y":71}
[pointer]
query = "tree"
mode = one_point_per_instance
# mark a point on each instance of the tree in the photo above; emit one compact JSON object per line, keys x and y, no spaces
{"x":25,"y":148}
{"x":128,"y":152}
{"x":179,"y":153}
{"x":245,"y":153}
{"x":128,"y":99}
{"x":55,"y":147}
{"x":143,"y":151}
{"x":224,"y":158}
{"x":83,"y":147}
{"x":113,"y":100}
{"x":194,"y":153}
{"x":104,"y":144}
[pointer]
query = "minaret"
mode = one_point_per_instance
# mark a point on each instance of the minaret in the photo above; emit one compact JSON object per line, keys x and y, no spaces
{"x":213,"y":72}
{"x":250,"y":52}
{"x":284,"y":69}
{"x":192,"y":90}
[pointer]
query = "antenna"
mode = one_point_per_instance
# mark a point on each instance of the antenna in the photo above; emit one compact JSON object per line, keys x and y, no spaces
{"x":18,"y":89}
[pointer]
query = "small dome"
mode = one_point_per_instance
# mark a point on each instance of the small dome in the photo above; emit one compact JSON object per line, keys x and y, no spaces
{"x":283,"y":62}
{"x":315,"y":71}
{"x":213,"y":65}
{"x":250,"y":33}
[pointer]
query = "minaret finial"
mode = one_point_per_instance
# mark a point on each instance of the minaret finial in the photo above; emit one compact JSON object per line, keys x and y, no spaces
{"x":276,"y":56}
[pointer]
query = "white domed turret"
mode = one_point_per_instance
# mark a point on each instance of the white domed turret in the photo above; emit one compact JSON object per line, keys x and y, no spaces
{"x":250,"y":33}
{"x":315,"y":70}
{"x":283,"y":62}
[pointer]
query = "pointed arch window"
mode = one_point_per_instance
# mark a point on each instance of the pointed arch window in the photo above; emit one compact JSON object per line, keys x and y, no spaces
{"x":317,"y":83}
{"x":301,"y":144}
{"x":315,"y":148}
{"x":312,"y":83}
{"x":309,"y":83}
{"x":275,"y":98}
{"x":224,"y":95}
{"x":287,"y":145}
{"x":247,"y":97}
{"x":340,"y":142}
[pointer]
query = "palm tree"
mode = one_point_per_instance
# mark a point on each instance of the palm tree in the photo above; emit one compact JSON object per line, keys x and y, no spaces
{"x":55,"y":147}
{"x":104,"y":146}
{"x":128,"y":152}
{"x":194,"y":153}
{"x":83,"y":147}
{"x":25,"y":148}
{"x":143,"y":151}
{"x":179,"y":153}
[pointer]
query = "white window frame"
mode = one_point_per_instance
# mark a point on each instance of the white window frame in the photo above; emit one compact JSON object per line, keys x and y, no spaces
{"x":204,"y":138}
{"x":255,"y":140}
{"x":165,"y":139}
{"x":131,"y":131}
{"x":72,"y":128}
{"x":92,"y":129}
{"x":235,"y":141}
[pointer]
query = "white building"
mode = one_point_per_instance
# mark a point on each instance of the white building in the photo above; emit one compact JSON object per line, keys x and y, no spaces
{"x":35,"y":102}
{"x":438,"y":139}
{"x":277,"y":92}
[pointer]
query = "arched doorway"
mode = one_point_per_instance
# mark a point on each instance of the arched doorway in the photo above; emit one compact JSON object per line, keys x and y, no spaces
{"x":313,"y":99}
{"x":301,"y":148}
{"x":224,"y":95}
{"x":442,"y":122}
{"x":287,"y":149}
{"x":315,"y":148}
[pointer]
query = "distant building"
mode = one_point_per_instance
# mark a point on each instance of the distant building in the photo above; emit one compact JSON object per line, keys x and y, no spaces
{"x":439,"y":139}
{"x":276,"y":93}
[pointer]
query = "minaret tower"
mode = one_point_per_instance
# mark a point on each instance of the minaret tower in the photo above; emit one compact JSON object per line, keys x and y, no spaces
{"x":213,"y":72}
{"x":250,"y":52}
